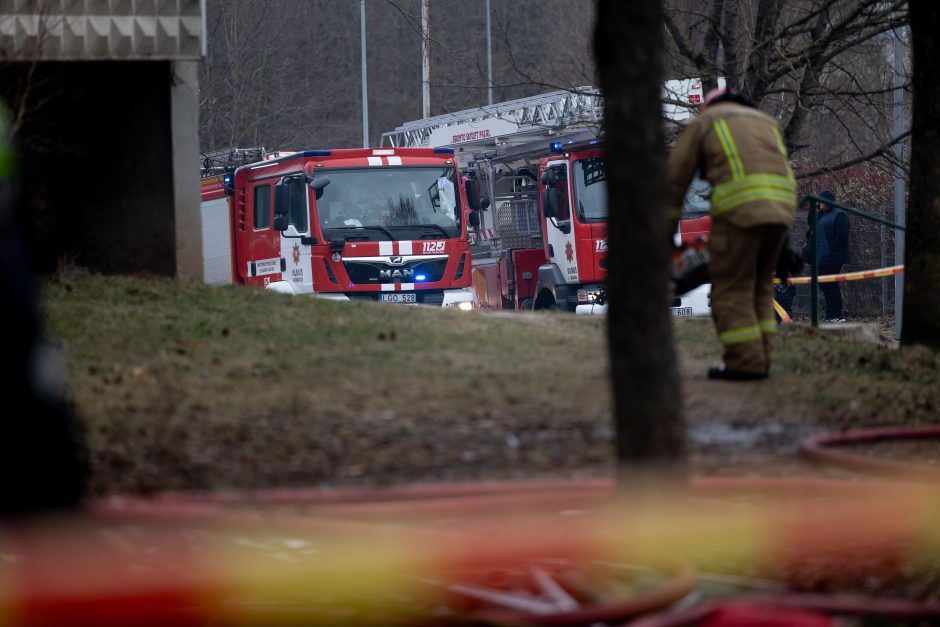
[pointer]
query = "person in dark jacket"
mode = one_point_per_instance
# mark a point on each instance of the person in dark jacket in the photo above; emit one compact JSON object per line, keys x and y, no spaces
{"x":832,"y":245}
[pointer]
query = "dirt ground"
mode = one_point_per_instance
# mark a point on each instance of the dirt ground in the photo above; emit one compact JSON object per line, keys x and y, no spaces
{"x":825,"y":380}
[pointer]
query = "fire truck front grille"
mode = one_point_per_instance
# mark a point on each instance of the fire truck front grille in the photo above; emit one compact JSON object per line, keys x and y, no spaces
{"x":373,"y":273}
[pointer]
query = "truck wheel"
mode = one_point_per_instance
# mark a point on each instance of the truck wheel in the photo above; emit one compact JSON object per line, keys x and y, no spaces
{"x":545,"y":302}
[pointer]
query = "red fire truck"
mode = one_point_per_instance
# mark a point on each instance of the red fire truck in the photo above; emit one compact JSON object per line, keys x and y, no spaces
{"x":540,"y":161}
{"x":374,"y":224}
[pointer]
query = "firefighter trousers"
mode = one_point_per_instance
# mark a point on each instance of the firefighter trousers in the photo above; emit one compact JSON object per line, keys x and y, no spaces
{"x":742,"y":266}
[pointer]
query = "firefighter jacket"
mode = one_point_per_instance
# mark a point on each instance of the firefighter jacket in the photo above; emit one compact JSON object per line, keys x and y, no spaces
{"x":739,"y":150}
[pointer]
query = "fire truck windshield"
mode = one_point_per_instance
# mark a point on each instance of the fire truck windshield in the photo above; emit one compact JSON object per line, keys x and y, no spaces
{"x":392,"y":202}
{"x":590,"y":189}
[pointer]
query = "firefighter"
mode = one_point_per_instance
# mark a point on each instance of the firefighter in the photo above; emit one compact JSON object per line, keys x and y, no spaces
{"x":739,"y":150}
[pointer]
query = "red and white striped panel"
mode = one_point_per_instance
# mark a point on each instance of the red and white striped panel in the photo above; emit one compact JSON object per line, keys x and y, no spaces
{"x":383,"y":161}
{"x":480,"y":235}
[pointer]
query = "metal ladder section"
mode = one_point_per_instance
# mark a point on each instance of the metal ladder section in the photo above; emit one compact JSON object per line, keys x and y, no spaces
{"x":218,"y":162}
{"x":571,"y":110}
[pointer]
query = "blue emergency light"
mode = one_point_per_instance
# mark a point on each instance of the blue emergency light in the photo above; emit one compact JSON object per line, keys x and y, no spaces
{"x":420,"y":277}
{"x":228,"y":183}
{"x":555,"y":146}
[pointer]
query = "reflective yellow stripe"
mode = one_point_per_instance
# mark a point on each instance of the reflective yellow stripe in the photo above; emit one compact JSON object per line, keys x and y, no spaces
{"x":753,"y":187}
{"x":740,"y":335}
{"x":768,"y":326}
{"x":731,"y":151}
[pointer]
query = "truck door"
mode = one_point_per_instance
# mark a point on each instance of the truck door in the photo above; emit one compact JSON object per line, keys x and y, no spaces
{"x":263,"y":255}
{"x":559,"y":231}
{"x":295,"y":240}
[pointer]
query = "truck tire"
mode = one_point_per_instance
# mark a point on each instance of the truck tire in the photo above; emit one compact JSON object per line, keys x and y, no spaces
{"x":545,"y":301}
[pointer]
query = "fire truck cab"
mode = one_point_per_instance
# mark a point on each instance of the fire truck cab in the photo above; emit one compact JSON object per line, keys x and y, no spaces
{"x":374,"y":224}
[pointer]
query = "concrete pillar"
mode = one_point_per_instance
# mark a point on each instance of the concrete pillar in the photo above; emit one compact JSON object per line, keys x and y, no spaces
{"x":184,"y":116}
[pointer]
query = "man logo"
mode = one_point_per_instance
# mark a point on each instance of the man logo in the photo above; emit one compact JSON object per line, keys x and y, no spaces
{"x":397,"y":274}
{"x":395,"y":260}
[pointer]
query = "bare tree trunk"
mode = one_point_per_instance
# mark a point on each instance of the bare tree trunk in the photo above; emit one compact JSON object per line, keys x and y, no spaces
{"x":712,"y":39}
{"x":729,"y":47}
{"x":650,"y":431}
{"x":768,"y":12}
{"x":922,"y":258}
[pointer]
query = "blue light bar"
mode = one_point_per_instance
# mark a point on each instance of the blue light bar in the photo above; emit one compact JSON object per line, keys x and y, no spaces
{"x":420,"y":277}
{"x":317,"y":153}
{"x":443,"y":151}
{"x":555,"y":147}
{"x":227,"y":179}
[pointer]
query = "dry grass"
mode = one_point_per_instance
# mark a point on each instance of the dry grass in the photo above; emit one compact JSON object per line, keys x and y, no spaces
{"x":181,"y":385}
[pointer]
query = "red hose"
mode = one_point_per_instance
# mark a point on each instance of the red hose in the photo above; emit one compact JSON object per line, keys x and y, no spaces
{"x":846,"y":605}
{"x":656,"y":599}
{"x":820,"y":449}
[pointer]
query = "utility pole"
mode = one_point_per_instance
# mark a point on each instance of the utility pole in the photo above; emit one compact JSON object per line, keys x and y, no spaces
{"x":489,"y":58}
{"x":425,"y":60}
{"x":365,"y":81}
{"x":899,"y":213}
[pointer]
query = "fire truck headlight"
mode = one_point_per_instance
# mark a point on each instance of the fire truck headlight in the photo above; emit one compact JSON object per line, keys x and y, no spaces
{"x":465,"y":306}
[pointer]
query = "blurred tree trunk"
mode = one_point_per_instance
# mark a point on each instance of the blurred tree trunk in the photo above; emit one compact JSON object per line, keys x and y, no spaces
{"x":628,"y":48}
{"x":921,"y":255}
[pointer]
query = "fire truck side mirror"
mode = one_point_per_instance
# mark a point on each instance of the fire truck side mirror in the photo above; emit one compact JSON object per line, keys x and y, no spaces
{"x":280,"y":223}
{"x":474,"y":218}
{"x":550,"y":202}
{"x":485,"y":203}
{"x":473,"y":194}
{"x":549,"y":178}
{"x":318,"y":183}
{"x":281,"y":200}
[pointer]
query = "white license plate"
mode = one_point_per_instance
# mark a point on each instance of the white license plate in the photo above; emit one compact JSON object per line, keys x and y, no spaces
{"x":681,"y":312}
{"x":400,"y":298}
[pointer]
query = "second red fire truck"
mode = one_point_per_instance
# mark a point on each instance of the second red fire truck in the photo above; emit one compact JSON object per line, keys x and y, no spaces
{"x":540,"y":161}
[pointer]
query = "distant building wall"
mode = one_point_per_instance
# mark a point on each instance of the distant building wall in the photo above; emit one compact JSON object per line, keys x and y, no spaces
{"x":107,"y":96}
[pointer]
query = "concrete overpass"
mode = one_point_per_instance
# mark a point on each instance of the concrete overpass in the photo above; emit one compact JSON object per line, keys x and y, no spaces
{"x":103,"y":99}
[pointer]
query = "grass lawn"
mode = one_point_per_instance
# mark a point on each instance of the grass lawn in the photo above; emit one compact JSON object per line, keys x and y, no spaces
{"x":179,"y":385}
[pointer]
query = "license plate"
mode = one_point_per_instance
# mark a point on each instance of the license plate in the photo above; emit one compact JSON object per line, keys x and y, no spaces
{"x":681,"y":312}
{"x":400,"y":298}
